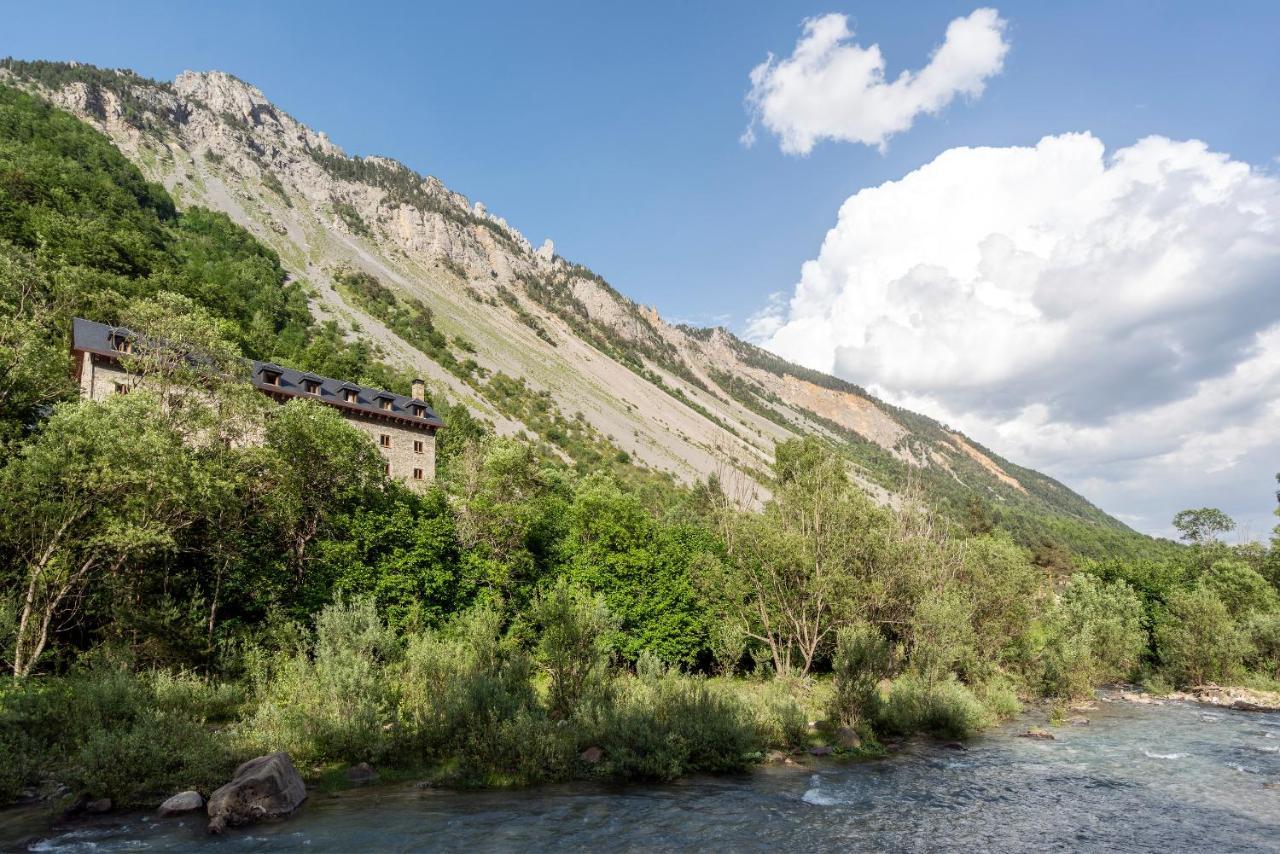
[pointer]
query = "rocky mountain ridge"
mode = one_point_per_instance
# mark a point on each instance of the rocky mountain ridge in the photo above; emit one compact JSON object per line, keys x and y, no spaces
{"x":528,"y":340}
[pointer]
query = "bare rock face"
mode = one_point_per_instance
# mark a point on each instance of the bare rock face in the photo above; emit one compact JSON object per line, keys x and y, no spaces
{"x":266,"y":787}
{"x":182,"y":802}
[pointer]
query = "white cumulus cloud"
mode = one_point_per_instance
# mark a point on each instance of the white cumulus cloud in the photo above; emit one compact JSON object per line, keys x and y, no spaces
{"x":1113,"y":319}
{"x":832,"y":88}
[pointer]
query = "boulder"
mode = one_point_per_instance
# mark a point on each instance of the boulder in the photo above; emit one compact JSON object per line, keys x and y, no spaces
{"x":820,"y":750}
{"x":591,"y":755}
{"x":848,"y":738}
{"x":266,"y":787}
{"x":361,"y":774}
{"x":101,"y":805}
{"x":1078,"y":720}
{"x":1038,"y":733}
{"x":188,"y":801}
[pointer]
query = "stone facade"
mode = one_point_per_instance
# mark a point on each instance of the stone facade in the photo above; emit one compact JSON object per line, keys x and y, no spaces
{"x":403,"y":428}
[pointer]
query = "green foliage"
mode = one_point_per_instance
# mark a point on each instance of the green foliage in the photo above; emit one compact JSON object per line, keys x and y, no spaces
{"x":330,"y":702}
{"x":111,"y":732}
{"x":862,"y":658}
{"x":571,"y":644}
{"x":1197,"y":641}
{"x":947,"y":709}
{"x":613,"y":544}
{"x":1093,"y":633}
{"x":1202,"y":526}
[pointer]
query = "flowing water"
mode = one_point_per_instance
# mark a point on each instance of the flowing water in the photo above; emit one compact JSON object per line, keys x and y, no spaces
{"x":1171,"y":777}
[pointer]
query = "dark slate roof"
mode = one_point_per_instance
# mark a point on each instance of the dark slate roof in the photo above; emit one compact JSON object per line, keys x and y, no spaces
{"x":91,"y":337}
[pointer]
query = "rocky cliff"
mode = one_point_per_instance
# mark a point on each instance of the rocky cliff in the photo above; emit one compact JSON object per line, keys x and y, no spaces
{"x":692,"y":402}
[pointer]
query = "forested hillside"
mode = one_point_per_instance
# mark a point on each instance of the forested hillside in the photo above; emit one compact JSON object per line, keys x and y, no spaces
{"x":174,"y":600}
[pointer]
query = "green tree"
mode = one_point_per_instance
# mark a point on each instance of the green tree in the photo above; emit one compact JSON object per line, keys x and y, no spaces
{"x":1093,"y":633}
{"x":572,"y":643}
{"x":99,"y":486}
{"x":1198,"y":641}
{"x":614,"y":545}
{"x":318,"y":466}
{"x":1203,"y":526}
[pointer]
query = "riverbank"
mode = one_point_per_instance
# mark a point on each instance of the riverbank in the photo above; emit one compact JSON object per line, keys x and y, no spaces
{"x":1138,"y":778}
{"x":1238,"y":698}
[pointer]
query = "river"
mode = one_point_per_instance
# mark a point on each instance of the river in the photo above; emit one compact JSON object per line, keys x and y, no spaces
{"x":1177,"y":776}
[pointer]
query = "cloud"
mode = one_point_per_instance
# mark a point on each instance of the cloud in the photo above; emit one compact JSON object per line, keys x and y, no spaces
{"x":830,"y":88}
{"x":1114,"y":320}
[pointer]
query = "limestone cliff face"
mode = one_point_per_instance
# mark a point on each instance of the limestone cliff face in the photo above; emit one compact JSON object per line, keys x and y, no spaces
{"x":692,"y":402}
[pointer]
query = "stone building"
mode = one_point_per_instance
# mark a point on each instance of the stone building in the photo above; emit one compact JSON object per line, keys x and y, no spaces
{"x":403,"y":428}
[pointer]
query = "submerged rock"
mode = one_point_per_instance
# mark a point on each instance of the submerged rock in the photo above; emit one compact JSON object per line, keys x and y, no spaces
{"x":1038,"y":733}
{"x":101,"y":805}
{"x":1078,"y":720}
{"x":188,"y":801}
{"x":266,"y":787}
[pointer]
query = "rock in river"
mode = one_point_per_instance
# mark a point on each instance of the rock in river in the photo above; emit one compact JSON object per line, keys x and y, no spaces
{"x":189,"y":801}
{"x":266,"y":787}
{"x":1037,"y":732}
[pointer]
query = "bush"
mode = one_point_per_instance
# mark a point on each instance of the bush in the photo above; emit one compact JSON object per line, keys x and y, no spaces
{"x":947,"y":709}
{"x":571,"y":644}
{"x":1197,"y":640}
{"x":1263,"y":657}
{"x":862,"y":658}
{"x":466,"y":694}
{"x":110,"y":732}
{"x":662,"y":724}
{"x":1093,"y":634}
{"x":330,"y":704}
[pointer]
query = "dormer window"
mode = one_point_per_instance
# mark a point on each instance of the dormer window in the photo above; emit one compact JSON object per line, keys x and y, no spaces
{"x":418,"y":409}
{"x":122,"y":343}
{"x":350,"y":395}
{"x":271,"y":377}
{"x":384,"y":403}
{"x":312,"y":386}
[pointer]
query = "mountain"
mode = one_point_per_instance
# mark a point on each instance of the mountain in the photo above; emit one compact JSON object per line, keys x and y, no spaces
{"x":525,"y":339}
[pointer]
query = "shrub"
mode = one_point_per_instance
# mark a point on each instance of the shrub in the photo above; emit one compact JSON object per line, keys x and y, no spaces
{"x":862,"y":658}
{"x":1093,"y":634}
{"x":1264,"y":639}
{"x":662,"y":724}
{"x":1197,"y":640}
{"x":947,"y":709}
{"x":110,"y":732}
{"x":330,"y":704}
{"x":571,"y":645}
{"x":466,"y":693}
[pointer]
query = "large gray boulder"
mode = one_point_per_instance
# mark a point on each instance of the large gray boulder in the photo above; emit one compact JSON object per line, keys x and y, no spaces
{"x":266,"y":787}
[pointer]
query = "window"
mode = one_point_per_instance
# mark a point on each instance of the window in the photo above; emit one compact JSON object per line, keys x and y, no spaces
{"x":122,"y":344}
{"x":418,"y":410}
{"x":417,"y":446}
{"x":121,"y":388}
{"x":271,"y":378}
{"x":385,"y":402}
{"x":417,"y":474}
{"x":384,"y":440}
{"x":350,"y":395}
{"x":312,"y":386}
{"x":388,"y":469}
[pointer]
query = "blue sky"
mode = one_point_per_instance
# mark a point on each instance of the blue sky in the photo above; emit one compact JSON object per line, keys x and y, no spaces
{"x":615,"y":130}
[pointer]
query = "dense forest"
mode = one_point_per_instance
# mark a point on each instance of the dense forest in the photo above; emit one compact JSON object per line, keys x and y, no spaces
{"x":174,"y":599}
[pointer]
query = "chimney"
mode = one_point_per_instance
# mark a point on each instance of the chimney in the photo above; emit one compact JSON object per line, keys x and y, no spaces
{"x":419,"y":390}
